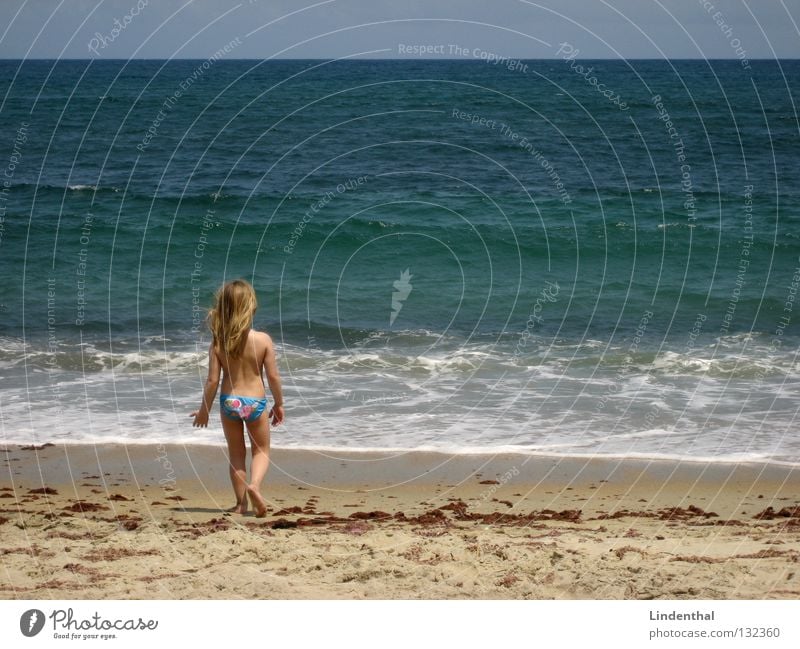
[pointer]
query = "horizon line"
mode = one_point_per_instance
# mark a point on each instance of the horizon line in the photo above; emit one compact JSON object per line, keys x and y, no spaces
{"x":408,"y":58}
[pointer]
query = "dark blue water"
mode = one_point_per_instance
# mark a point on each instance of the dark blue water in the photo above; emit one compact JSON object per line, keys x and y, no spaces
{"x":581,"y":277}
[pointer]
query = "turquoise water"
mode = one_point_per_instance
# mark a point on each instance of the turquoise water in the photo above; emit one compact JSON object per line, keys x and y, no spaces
{"x":449,"y":254}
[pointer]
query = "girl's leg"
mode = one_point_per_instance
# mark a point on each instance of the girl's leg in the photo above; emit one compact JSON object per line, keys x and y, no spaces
{"x":237,"y":454}
{"x":259,"y":446}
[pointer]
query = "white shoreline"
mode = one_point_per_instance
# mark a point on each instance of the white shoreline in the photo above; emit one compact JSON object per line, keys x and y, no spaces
{"x":478,"y":451}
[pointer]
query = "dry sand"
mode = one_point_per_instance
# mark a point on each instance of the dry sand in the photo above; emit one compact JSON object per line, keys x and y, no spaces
{"x":148,"y":522}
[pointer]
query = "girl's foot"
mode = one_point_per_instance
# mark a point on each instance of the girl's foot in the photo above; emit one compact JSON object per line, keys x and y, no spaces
{"x":258,"y":502}
{"x":240,"y":508}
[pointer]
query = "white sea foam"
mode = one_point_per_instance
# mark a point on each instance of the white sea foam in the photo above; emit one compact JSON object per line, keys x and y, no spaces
{"x":469,"y":397}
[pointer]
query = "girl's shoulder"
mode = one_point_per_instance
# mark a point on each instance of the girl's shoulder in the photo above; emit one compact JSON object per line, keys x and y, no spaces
{"x":261,"y":336}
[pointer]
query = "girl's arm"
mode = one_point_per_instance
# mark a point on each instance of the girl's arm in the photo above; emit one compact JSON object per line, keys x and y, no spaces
{"x":274,"y":380}
{"x":210,"y":389}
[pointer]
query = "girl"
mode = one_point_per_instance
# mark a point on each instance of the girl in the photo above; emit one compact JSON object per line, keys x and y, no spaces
{"x":240,"y":353}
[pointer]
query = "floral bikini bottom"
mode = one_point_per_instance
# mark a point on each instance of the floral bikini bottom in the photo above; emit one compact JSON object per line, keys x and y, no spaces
{"x":242,"y":408}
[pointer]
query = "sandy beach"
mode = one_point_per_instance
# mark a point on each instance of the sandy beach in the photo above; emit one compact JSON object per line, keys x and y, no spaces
{"x":149,"y":522}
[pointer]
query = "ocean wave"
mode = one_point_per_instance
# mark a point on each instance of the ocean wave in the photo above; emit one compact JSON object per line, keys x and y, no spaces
{"x":418,"y":353}
{"x":89,"y":359}
{"x":676,"y":224}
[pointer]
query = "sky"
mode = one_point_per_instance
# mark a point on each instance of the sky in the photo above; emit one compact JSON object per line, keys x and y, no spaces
{"x":196,"y":29}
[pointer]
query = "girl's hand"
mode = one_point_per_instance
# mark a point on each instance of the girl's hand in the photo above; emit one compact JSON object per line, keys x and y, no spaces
{"x":200,"y":419}
{"x":276,"y":413}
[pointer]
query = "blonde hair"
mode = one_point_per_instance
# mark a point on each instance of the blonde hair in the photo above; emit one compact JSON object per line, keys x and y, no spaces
{"x":232,"y":315}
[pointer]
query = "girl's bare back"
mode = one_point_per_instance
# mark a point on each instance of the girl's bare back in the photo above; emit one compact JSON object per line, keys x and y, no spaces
{"x":243,"y":376}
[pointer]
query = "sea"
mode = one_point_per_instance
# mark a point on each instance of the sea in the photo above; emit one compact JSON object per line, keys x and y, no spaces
{"x":555,"y":257}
